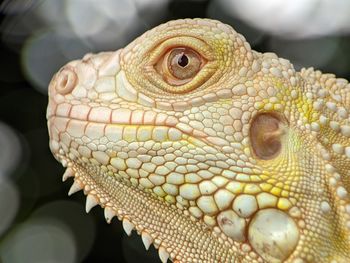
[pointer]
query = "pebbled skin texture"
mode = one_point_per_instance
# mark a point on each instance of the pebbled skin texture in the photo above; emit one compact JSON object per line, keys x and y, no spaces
{"x":247,"y":162}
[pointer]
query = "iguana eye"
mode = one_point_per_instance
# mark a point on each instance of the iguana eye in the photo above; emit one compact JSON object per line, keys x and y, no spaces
{"x":179,"y":65}
{"x":183,"y":63}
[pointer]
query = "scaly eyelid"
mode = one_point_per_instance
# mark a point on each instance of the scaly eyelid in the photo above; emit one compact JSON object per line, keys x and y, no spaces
{"x":190,"y":42}
{"x":203,"y":49}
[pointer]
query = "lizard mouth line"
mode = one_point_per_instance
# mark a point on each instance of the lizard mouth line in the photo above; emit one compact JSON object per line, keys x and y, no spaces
{"x":54,"y":118}
{"x":114,"y":132}
{"x":64,"y":123}
{"x":121,"y":121}
{"x":130,"y":132}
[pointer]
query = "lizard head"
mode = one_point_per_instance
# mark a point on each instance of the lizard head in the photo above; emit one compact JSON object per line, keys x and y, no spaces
{"x":210,"y":150}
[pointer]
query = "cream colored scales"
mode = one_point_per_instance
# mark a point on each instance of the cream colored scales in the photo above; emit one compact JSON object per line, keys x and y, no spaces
{"x":211,"y":151}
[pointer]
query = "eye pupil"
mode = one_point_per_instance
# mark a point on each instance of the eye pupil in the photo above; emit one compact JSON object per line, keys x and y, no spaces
{"x":182,"y":60}
{"x":182,"y":64}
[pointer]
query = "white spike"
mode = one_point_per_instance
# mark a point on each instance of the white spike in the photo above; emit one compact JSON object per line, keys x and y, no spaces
{"x":109,"y":214}
{"x":76,"y":186}
{"x":163,"y":254}
{"x":128,"y":226}
{"x":68,"y":173}
{"x":64,"y":162}
{"x":91,"y":201}
{"x":146,"y":239}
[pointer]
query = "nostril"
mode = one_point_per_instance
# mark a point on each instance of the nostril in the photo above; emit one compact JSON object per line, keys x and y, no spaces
{"x":66,"y":81}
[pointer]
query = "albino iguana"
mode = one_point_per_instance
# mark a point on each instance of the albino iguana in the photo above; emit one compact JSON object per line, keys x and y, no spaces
{"x":211,"y":151}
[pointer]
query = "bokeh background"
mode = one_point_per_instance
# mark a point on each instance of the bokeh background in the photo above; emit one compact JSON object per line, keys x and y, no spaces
{"x":38,"y":222}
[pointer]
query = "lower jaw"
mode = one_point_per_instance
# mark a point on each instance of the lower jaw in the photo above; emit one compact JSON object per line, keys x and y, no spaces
{"x":165,"y":226}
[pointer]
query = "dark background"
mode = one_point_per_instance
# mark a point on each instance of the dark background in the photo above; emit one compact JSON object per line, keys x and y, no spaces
{"x":38,"y":222}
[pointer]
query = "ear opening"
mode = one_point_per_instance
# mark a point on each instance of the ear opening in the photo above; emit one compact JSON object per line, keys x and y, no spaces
{"x":266,"y":131}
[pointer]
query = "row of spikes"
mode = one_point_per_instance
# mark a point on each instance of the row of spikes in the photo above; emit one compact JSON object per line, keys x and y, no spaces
{"x":109,"y":213}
